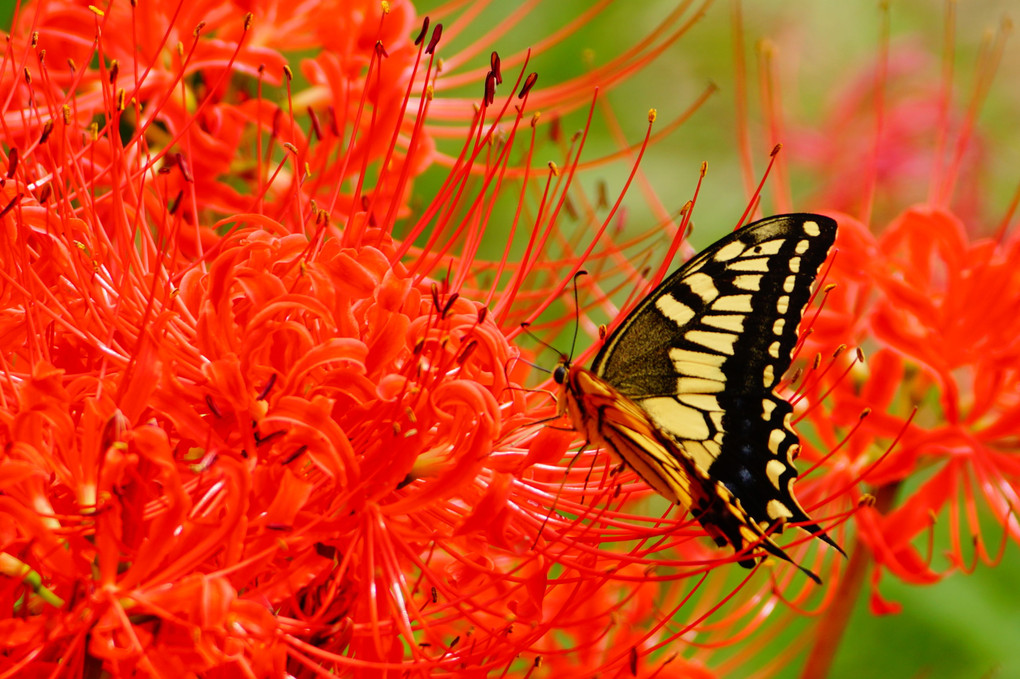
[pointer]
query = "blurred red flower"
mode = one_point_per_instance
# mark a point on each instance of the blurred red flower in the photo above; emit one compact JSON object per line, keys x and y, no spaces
{"x":928,"y":290}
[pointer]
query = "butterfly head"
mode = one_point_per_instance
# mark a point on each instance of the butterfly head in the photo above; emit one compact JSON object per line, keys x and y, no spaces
{"x":560,"y":373}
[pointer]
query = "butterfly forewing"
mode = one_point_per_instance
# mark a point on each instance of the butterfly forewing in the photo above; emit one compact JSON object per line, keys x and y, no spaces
{"x":701,"y":356}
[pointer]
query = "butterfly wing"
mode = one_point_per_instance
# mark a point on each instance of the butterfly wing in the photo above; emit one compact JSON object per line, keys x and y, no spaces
{"x":620,"y":425}
{"x":702,"y":354}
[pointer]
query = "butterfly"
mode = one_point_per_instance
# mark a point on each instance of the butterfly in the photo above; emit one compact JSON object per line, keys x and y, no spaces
{"x":683,"y":391}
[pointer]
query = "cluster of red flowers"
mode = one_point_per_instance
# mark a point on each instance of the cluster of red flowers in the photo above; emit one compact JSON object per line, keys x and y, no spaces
{"x":261,"y":416}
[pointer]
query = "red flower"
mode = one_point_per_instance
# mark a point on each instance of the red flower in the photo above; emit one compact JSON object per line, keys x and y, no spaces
{"x":933,"y":303}
{"x":249,"y":430}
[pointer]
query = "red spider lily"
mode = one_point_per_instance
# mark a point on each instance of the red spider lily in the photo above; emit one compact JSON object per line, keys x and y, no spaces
{"x":249,"y":430}
{"x":947,"y":345}
{"x":934,"y":305}
{"x":928,"y":421}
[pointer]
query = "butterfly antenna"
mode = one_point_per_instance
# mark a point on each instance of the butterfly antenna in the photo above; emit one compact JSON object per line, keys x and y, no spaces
{"x":577,"y":312}
{"x":524,"y":327}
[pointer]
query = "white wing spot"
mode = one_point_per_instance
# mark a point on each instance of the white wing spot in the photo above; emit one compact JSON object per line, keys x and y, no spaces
{"x":740,"y":304}
{"x":811,"y":229}
{"x":748,"y":282}
{"x":702,"y":285}
{"x":734,"y":249}
{"x":674,"y":310}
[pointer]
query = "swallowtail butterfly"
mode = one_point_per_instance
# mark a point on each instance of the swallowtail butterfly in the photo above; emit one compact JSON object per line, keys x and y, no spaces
{"x":683,"y":391}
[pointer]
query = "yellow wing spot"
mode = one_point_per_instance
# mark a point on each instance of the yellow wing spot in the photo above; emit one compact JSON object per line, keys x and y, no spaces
{"x":674,"y":310}
{"x":794,"y":264}
{"x":693,"y":385}
{"x":775,"y":470}
{"x":767,"y":408}
{"x":774,"y":349}
{"x":750,"y":264}
{"x":720,"y":342}
{"x":776,"y":437}
{"x":700,"y":454}
{"x":706,"y":402}
{"x":698,"y":364}
{"x":769,"y":376}
{"x":777,"y":510}
{"x":740,"y":304}
{"x":734,"y":249}
{"x":700,"y":370}
{"x":802,"y":246}
{"x":673,"y":416}
{"x":790,"y":283}
{"x":717,"y":417}
{"x":794,"y":451}
{"x":702,"y":285}
{"x":811,"y":229}
{"x":783,"y":304}
{"x":730,"y":322}
{"x":779,"y":326}
{"x":750,"y":282}
{"x":688,"y":356}
{"x":769,"y":247}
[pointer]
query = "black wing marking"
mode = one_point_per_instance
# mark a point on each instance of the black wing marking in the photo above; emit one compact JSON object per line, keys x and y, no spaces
{"x":704,"y":351}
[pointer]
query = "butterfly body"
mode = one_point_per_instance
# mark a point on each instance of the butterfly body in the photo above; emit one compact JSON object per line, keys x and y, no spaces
{"x":683,"y":391}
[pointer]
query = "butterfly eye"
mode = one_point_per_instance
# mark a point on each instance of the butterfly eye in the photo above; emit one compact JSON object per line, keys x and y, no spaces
{"x":560,"y":374}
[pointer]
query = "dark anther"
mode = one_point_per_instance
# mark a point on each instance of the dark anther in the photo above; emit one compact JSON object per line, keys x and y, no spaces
{"x":490,"y":89}
{"x":315,"y":123}
{"x":437,"y":33}
{"x":212,"y":406}
{"x":529,"y":82}
{"x":269,"y":385}
{"x":10,"y":205}
{"x":175,"y":203}
{"x":494,"y":67}
{"x":422,"y":32}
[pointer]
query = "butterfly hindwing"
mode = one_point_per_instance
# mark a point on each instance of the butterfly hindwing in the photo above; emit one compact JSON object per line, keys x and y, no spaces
{"x":702,"y":353}
{"x":620,"y":425}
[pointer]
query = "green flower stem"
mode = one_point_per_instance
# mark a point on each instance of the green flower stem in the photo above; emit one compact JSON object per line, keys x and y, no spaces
{"x":833,"y":623}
